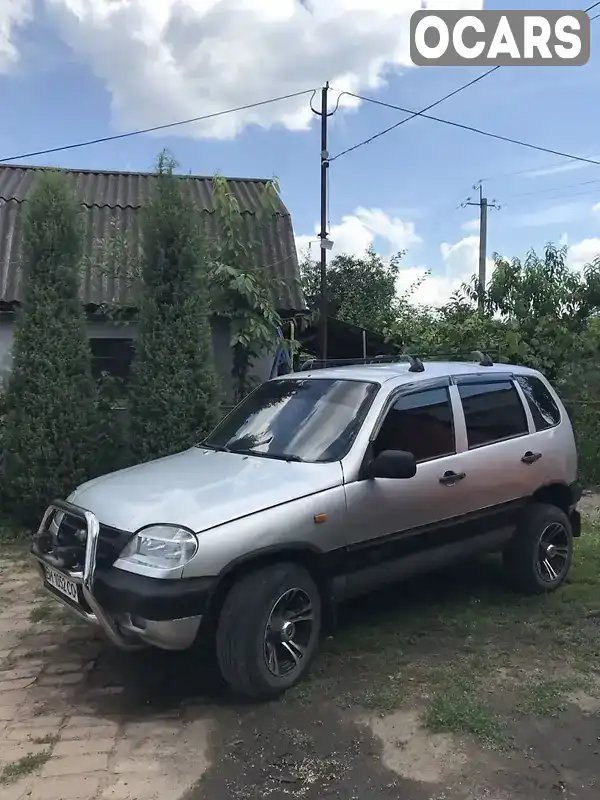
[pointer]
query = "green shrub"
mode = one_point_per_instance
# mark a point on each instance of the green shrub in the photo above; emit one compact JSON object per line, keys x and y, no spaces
{"x":49,"y":435}
{"x":174,"y":392}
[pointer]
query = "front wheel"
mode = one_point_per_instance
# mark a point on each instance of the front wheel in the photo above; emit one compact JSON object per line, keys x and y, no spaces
{"x":269,"y":630}
{"x":538,"y":558}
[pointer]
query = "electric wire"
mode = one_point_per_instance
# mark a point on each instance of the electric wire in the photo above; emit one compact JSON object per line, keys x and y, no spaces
{"x":166,"y":126}
{"x":471,"y":129}
{"x":422,"y":113}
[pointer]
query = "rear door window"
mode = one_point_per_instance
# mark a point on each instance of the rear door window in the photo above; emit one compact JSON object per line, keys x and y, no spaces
{"x":544,"y":410}
{"x":493,"y":412}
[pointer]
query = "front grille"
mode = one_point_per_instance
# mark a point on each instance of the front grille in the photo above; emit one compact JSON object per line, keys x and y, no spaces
{"x":69,"y":542}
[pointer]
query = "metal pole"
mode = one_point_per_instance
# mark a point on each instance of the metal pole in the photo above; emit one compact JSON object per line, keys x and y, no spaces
{"x":323,"y":233}
{"x":483,"y":207}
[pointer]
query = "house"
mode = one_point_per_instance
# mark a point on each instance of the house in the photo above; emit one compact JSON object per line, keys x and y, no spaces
{"x":111,"y":203}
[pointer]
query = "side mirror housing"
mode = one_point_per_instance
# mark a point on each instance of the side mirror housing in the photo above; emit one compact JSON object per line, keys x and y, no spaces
{"x":396,"y":464}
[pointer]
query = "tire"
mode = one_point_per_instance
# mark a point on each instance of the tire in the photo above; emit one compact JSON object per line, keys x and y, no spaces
{"x":244,"y":645}
{"x":541,"y":524}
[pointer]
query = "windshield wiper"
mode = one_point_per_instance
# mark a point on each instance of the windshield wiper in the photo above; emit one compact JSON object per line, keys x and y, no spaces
{"x":248,"y":452}
{"x":221,"y":449}
{"x":276,"y":456}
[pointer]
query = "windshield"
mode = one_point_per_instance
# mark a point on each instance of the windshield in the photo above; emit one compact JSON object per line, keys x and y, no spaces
{"x":297,"y":419}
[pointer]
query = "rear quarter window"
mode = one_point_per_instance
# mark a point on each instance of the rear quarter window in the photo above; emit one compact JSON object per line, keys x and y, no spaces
{"x":545,"y":412}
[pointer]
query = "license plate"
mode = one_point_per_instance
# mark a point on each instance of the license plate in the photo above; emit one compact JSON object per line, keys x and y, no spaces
{"x":62,"y":584}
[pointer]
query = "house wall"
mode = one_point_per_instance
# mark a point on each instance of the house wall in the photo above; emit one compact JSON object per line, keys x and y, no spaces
{"x":107,"y":330}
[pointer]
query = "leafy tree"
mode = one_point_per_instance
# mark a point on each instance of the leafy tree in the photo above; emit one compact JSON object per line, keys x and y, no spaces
{"x":240,"y":289}
{"x":174,"y":391}
{"x":361,"y":291}
{"x":50,"y":427}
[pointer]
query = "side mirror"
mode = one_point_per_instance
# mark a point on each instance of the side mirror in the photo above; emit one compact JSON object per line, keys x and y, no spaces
{"x":392,"y":464}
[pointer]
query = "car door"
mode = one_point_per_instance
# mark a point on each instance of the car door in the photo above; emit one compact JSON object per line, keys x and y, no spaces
{"x":549,"y":447}
{"x":501,"y":471}
{"x":390,"y":519}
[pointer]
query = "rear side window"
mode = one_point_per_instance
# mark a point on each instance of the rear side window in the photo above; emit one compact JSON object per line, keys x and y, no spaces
{"x":493,"y":411}
{"x":544,"y":410}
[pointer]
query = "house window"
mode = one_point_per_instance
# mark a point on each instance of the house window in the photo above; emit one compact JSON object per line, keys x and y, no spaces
{"x":113,"y":356}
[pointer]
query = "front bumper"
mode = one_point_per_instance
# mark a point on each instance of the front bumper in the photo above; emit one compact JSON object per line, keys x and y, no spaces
{"x":132,"y":610}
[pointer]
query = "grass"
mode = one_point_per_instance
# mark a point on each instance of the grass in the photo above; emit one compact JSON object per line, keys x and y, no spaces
{"x":50,"y":739}
{"x":473,"y":656}
{"x":16,"y":770}
{"x":456,"y":709}
{"x":43,"y":612}
{"x":548,"y":697}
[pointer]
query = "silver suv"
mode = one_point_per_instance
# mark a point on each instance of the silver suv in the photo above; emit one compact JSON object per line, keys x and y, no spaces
{"x":319,"y":486}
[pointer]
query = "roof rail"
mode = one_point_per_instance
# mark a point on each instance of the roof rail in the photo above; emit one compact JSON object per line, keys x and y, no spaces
{"x":416,"y":365}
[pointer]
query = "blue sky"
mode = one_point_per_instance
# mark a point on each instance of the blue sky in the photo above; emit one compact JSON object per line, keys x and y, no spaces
{"x":77,"y":78}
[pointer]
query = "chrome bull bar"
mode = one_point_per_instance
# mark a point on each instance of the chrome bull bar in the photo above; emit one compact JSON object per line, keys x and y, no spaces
{"x":85,"y":578}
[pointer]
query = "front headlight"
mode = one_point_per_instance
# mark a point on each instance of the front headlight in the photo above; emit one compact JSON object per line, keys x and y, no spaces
{"x":161,"y":547}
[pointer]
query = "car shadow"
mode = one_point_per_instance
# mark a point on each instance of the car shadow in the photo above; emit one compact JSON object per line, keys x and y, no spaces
{"x":151,"y":682}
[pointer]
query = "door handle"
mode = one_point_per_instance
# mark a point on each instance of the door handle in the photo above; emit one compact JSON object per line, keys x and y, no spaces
{"x":531,"y":458}
{"x":449,"y":478}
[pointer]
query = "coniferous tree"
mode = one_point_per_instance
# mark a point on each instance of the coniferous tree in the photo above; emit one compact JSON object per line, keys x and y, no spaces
{"x":49,"y":428}
{"x":175,"y":392}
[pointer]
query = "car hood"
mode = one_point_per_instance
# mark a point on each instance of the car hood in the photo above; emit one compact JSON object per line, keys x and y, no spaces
{"x":200,"y":489}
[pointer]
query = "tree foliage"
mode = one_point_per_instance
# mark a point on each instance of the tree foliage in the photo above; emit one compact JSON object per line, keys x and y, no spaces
{"x":539,"y":313}
{"x":240,"y":289}
{"x":50,"y":422}
{"x":361,"y":291}
{"x":174,"y":392}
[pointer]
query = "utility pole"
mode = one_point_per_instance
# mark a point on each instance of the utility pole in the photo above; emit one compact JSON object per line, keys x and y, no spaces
{"x":324,"y":242}
{"x":483,"y":209}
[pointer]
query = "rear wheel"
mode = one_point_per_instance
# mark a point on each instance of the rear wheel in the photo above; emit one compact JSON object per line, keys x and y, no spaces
{"x":268,"y":630}
{"x":538,"y":558}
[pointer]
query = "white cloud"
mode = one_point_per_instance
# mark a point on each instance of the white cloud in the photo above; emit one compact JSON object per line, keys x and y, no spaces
{"x":596,"y":208}
{"x":164,"y":60}
{"x":460,"y":262}
{"x":552,"y":215}
{"x":583,"y":252}
{"x":471,"y":225}
{"x":361,"y":229}
{"x":13,"y":13}
{"x":567,"y":166}
{"x":357,"y":231}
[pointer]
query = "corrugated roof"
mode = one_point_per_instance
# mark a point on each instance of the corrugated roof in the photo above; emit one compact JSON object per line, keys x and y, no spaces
{"x":111,"y":203}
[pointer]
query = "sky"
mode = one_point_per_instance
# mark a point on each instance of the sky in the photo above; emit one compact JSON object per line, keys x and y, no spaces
{"x":74,"y":70}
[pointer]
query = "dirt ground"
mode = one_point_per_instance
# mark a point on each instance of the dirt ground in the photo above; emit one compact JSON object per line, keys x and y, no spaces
{"x":449,"y":688}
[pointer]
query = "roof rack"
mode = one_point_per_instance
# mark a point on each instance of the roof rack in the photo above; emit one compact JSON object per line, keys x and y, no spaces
{"x":483,"y":358}
{"x":416,"y":364}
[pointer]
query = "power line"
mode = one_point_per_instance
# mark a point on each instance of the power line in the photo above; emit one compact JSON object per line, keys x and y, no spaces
{"x":558,"y":196}
{"x":422,"y":113}
{"x":472,"y":129}
{"x":155,"y":128}
{"x":531,"y":170}
{"x":556,"y":189}
{"x":413,"y":115}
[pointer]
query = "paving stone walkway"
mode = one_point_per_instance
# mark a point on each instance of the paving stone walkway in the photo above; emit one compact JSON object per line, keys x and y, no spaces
{"x":69,"y":729}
